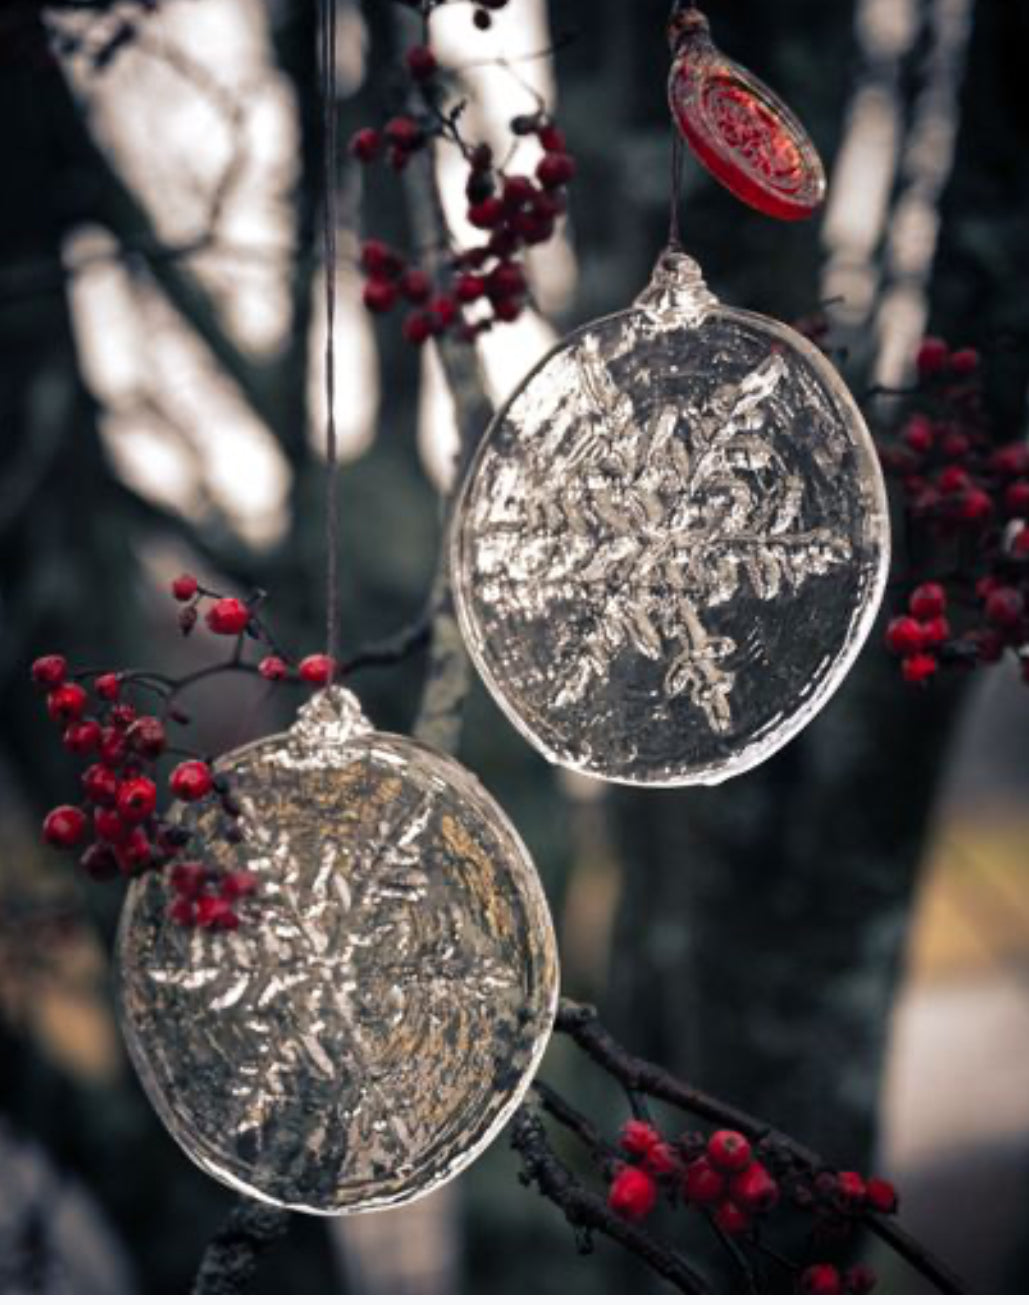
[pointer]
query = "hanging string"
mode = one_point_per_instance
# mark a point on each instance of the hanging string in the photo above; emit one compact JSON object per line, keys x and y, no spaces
{"x":329,"y":214}
{"x":674,"y":229}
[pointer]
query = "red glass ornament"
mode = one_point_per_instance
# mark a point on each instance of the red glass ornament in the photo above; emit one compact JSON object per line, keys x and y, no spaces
{"x":738,"y":128}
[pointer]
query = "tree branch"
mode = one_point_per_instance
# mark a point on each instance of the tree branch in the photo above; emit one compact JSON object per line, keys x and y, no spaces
{"x":590,"y":1213}
{"x":230,"y":1259}
{"x":583,"y":1026}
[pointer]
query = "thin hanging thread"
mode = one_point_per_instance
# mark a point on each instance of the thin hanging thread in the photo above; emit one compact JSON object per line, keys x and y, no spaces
{"x":674,"y":229}
{"x":329,"y":214}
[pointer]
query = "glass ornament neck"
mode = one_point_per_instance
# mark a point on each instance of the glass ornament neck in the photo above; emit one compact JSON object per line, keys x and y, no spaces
{"x":333,"y":716}
{"x":677,"y":290}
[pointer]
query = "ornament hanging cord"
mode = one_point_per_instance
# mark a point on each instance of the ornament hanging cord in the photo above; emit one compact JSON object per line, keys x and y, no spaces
{"x":329,"y":214}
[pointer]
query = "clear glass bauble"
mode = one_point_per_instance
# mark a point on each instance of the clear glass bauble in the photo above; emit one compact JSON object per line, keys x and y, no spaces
{"x":673,"y":540}
{"x":380,"y":1012}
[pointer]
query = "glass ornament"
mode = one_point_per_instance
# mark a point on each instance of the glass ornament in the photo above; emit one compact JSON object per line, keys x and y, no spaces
{"x":673,"y":540}
{"x":738,"y":128}
{"x":381,"y":1010}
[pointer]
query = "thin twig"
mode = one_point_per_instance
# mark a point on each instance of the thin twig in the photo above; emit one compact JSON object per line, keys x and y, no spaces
{"x":583,"y":1026}
{"x":590,"y":1213}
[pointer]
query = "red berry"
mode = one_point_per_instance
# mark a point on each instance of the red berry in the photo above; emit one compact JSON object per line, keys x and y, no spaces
{"x":49,"y":672}
{"x":729,"y":1151}
{"x":932,"y":357}
{"x":109,"y":825}
{"x":637,"y":1137}
{"x":508,"y":310}
{"x":123,"y":715}
{"x":820,"y":1280}
{"x":66,"y":704}
{"x":506,"y":281}
{"x":379,"y":260}
{"x":703,"y":1184}
{"x":975,"y":506}
{"x":555,"y":170}
{"x":182,"y":911}
{"x":228,"y":616}
{"x":904,"y":636}
{"x":444,"y":309}
{"x":188,"y":878}
{"x":137,"y":799}
{"x":184,"y":587}
{"x":1011,"y":460}
{"x":754,"y":1190}
{"x":919,"y":668}
{"x":918,"y":434}
{"x":963,"y":362}
{"x":65,"y":827}
{"x":1020,"y":543}
{"x":113,"y":746}
{"x":850,"y":1187}
{"x":108,"y":686}
{"x":133,"y":852}
{"x":518,"y":191}
{"x":731,"y":1219}
{"x":82,"y":738}
{"x":486,"y":215}
{"x":191,"y":780}
{"x":99,"y":862}
{"x":101,"y":785}
{"x":239,"y":883}
{"x":216,"y":913}
{"x":661,"y":1160}
{"x":379,"y":295}
{"x":468,"y":288}
{"x":273,"y":668}
{"x":936,"y":631}
{"x":1004,"y":607}
{"x":928,"y":601}
{"x":633,"y":1193}
{"x":552,"y":139}
{"x":859,"y":1281}
{"x":418,"y":327}
{"x":317,"y":669}
{"x":365,"y":145}
{"x":415,"y":285}
{"x":421,"y":63}
{"x":404,"y":133}
{"x":147,"y":737}
{"x":1016,"y":498}
{"x":882,"y":1196}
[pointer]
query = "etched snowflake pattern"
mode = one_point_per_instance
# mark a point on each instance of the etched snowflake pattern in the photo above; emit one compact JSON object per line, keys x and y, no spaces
{"x":359,"y":1038}
{"x":664,"y":492}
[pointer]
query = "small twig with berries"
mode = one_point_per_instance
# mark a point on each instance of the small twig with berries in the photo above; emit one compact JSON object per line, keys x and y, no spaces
{"x":121,"y":724}
{"x":737,"y":1178}
{"x":474,"y":289}
{"x":965,"y":500}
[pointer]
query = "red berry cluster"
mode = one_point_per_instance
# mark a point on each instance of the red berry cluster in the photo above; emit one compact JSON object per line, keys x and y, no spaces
{"x":737,"y":1184}
{"x":966,"y":500}
{"x":120,"y":826}
{"x":485,"y":284}
{"x":238,"y":619}
{"x":120,"y":819}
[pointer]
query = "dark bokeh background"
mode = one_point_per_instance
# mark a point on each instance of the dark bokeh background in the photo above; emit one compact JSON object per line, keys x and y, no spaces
{"x":158,"y":336}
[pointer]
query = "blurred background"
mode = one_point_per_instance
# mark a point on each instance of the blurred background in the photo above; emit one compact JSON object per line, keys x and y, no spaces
{"x":838,"y":941}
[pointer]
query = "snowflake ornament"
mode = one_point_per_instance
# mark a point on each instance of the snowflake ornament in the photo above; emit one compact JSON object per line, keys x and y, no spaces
{"x":378,"y":1017}
{"x":673,"y":541}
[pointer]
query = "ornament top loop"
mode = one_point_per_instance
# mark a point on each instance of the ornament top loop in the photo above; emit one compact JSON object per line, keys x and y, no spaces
{"x":333,"y":716}
{"x":677,"y":291}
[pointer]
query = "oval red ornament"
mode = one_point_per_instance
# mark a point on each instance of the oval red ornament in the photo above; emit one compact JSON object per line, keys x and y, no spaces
{"x":738,"y":128}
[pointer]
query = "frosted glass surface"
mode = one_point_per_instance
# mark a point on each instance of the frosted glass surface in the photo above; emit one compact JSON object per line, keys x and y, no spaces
{"x":380,"y":1012}
{"x":673,"y":541}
